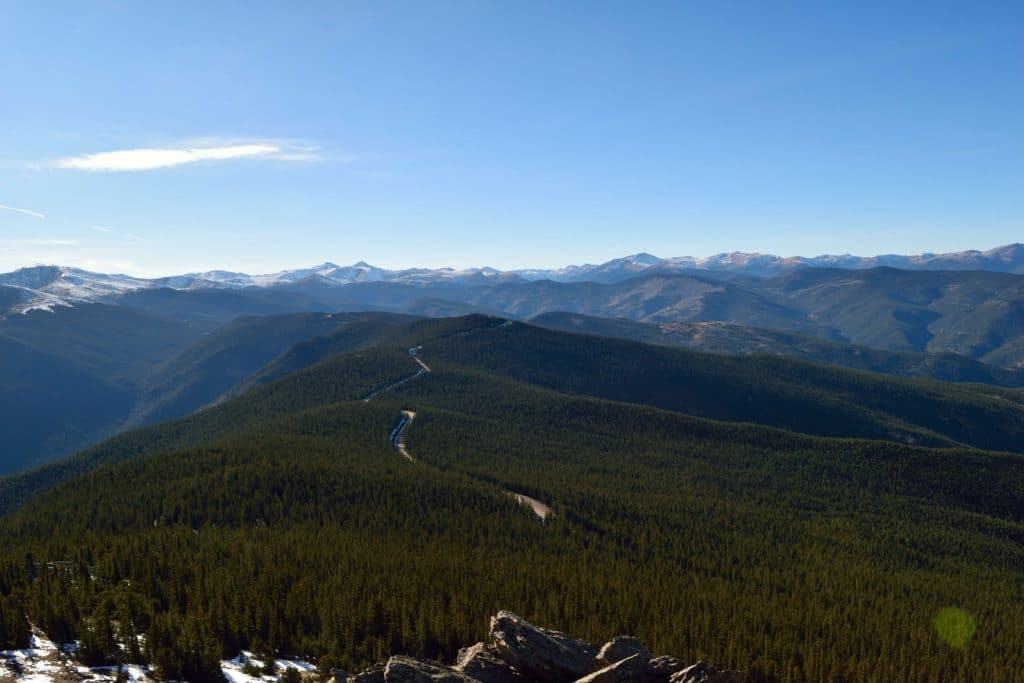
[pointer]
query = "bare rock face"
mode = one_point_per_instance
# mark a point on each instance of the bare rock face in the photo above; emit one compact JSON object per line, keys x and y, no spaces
{"x":402,"y":669}
{"x":480,"y":662}
{"x":549,"y":657}
{"x":702,"y":672}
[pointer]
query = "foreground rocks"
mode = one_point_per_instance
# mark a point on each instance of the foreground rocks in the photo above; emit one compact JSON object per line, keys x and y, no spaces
{"x":519,"y":652}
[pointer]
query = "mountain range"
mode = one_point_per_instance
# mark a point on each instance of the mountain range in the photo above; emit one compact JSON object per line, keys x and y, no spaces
{"x":974,"y":313}
{"x":45,"y":286}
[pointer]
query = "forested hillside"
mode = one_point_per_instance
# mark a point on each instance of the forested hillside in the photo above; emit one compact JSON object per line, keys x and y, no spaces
{"x":220,"y":362}
{"x":796,"y":395}
{"x":736,"y":339}
{"x":800,"y":396}
{"x":976,"y":314}
{"x":70,"y":377}
{"x":284,"y":520}
{"x":76,"y":375}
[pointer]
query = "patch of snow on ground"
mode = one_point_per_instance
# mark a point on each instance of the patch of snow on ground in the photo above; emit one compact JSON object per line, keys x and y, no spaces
{"x":232,"y":668}
{"x":136,"y":673}
{"x":43,"y":662}
{"x":38,"y":663}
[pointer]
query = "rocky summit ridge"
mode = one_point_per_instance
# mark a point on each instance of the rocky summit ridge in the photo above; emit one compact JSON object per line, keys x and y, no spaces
{"x":518,"y":652}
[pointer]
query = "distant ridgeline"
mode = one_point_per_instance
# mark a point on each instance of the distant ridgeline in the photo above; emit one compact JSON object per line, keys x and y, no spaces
{"x":791,"y":520}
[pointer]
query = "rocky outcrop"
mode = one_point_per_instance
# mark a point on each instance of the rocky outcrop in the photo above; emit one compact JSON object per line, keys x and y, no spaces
{"x":540,"y":655}
{"x":518,"y":652}
{"x":400,"y":669}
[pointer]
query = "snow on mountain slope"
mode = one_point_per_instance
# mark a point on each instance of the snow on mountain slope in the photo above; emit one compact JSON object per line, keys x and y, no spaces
{"x":43,"y":287}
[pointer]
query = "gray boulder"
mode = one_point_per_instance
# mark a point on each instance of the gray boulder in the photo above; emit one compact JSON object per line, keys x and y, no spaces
{"x":480,"y":662}
{"x":542,"y":656}
{"x":401,"y":669}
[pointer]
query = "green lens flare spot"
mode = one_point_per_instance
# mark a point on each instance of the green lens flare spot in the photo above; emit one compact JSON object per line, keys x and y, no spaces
{"x":955,"y":626}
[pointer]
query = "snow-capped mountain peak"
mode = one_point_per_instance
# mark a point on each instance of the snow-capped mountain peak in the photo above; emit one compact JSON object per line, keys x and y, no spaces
{"x":644,"y":259}
{"x":46,"y":286}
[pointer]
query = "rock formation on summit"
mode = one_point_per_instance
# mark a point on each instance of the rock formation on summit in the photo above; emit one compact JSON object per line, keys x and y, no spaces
{"x":519,"y":652}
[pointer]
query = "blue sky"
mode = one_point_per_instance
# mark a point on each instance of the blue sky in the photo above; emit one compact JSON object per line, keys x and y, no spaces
{"x":164,"y":137}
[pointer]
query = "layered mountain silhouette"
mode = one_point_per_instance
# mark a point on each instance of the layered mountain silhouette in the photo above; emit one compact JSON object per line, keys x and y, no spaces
{"x":86,"y":354}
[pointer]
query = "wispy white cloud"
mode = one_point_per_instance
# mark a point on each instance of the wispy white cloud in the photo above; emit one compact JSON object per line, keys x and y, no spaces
{"x":118,"y":233}
{"x":147,"y":159}
{"x":27,"y":212}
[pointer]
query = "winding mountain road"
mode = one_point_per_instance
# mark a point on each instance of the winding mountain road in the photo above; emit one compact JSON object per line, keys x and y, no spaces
{"x":397,"y":436}
{"x":398,"y":432}
{"x":424,"y":369}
